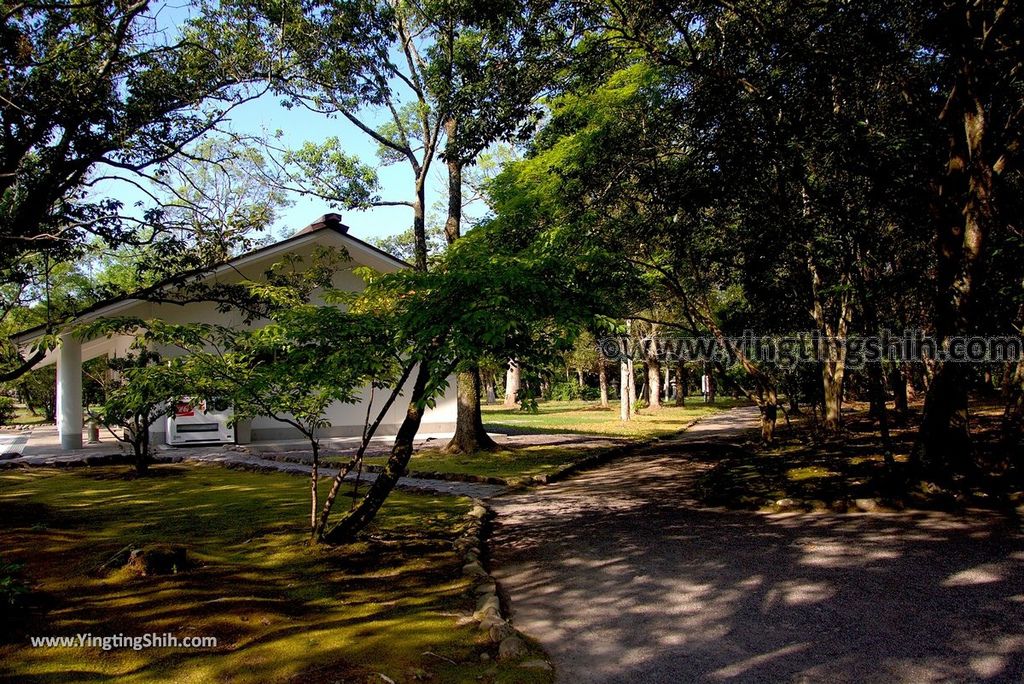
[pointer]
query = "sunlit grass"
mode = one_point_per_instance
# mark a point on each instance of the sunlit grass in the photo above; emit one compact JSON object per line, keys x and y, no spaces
{"x":280,"y":609}
{"x":502,"y":463}
{"x":588,"y":417}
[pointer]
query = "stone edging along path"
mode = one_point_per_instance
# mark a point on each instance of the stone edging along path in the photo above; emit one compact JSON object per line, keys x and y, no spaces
{"x":488,"y":615}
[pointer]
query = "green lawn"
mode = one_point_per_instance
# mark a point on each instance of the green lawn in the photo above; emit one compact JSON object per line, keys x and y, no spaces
{"x":508,"y":464}
{"x":559,"y":417}
{"x":281,"y":610}
{"x":23,"y":416}
{"x":587,"y":417}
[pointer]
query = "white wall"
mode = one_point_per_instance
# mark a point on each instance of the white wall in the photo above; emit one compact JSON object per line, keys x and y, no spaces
{"x":346,"y":419}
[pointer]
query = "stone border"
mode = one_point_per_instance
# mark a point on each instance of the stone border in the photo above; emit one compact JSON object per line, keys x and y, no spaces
{"x":488,"y":615}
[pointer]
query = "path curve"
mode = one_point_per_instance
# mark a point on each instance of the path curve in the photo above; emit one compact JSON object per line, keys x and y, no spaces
{"x":623,"y":577}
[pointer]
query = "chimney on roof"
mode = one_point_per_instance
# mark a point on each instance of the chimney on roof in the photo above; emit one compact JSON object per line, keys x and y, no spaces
{"x":328,"y":221}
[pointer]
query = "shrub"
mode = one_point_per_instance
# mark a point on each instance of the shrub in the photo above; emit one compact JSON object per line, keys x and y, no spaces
{"x":571,"y":391}
{"x":7,"y":410}
{"x":12,"y":589}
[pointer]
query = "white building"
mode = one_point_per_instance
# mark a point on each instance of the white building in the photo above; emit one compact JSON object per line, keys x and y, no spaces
{"x":346,"y":419}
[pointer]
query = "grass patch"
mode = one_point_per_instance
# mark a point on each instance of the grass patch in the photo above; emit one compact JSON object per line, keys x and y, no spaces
{"x":587,"y":417}
{"x":504,"y":463}
{"x":558,"y":417}
{"x":22,"y":416}
{"x":281,"y":610}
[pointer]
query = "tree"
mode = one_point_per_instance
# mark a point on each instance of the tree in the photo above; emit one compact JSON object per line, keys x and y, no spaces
{"x":982,"y":44}
{"x":139,"y":98}
{"x":446,"y":314}
{"x":142,"y":389}
{"x":219,"y":197}
{"x":293,"y":369}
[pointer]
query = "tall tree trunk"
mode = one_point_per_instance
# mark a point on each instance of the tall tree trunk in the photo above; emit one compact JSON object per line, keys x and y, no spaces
{"x":579,"y":377}
{"x":419,"y":228}
{"x":681,"y":384}
{"x":653,"y":383}
{"x":512,"y":376}
{"x":898,"y":382}
{"x":631,"y":384}
{"x":602,"y":379}
{"x":964,"y":214}
{"x":470,"y":435}
{"x":625,"y":403}
{"x":401,"y":451}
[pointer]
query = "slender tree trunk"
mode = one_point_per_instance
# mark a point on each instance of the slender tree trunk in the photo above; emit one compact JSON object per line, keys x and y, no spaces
{"x":653,"y":383}
{"x":1013,"y":396}
{"x":579,"y":377}
{"x":489,"y":394}
{"x":681,"y":384}
{"x":769,"y":406}
{"x":470,"y":435}
{"x":419,"y":228}
{"x":602,"y":379}
{"x":142,"y":455}
{"x":401,"y":451}
{"x":512,"y":377}
{"x":631,"y":384}
{"x":625,"y":404}
{"x":314,"y":478}
{"x":898,"y":382}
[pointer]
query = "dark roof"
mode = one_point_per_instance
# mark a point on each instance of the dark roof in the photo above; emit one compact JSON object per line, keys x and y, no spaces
{"x":330,"y":222}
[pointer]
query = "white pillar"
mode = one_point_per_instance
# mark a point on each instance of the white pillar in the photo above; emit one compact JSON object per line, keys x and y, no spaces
{"x":69,"y":392}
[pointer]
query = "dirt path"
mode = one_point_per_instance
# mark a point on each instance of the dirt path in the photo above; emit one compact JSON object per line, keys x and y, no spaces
{"x":623,"y":577}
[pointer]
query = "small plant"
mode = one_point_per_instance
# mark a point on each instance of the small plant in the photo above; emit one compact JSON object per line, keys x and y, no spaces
{"x":12,"y":588}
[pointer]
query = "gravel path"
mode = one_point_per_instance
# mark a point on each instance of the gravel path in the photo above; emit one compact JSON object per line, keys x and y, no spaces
{"x":623,"y":577}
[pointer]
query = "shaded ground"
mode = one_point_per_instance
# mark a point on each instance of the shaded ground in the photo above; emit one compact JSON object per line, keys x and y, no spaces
{"x":280,"y":610}
{"x":622,"y":576}
{"x":809,"y":468}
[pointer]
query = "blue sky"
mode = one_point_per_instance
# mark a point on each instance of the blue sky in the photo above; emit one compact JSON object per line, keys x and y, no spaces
{"x":265,"y":116}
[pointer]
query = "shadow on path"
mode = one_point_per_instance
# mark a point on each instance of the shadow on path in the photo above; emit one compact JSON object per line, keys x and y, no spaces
{"x":623,"y":577}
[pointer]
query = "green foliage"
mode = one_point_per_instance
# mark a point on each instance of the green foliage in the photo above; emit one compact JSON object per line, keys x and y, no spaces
{"x":37,"y":390}
{"x":142,"y":389}
{"x":86,"y":86}
{"x":12,"y":587}
{"x":7,"y":409}
{"x":323,"y":169}
{"x":566,"y":391}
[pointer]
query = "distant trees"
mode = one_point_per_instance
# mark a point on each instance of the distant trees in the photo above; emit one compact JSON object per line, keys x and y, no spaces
{"x":786,"y":167}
